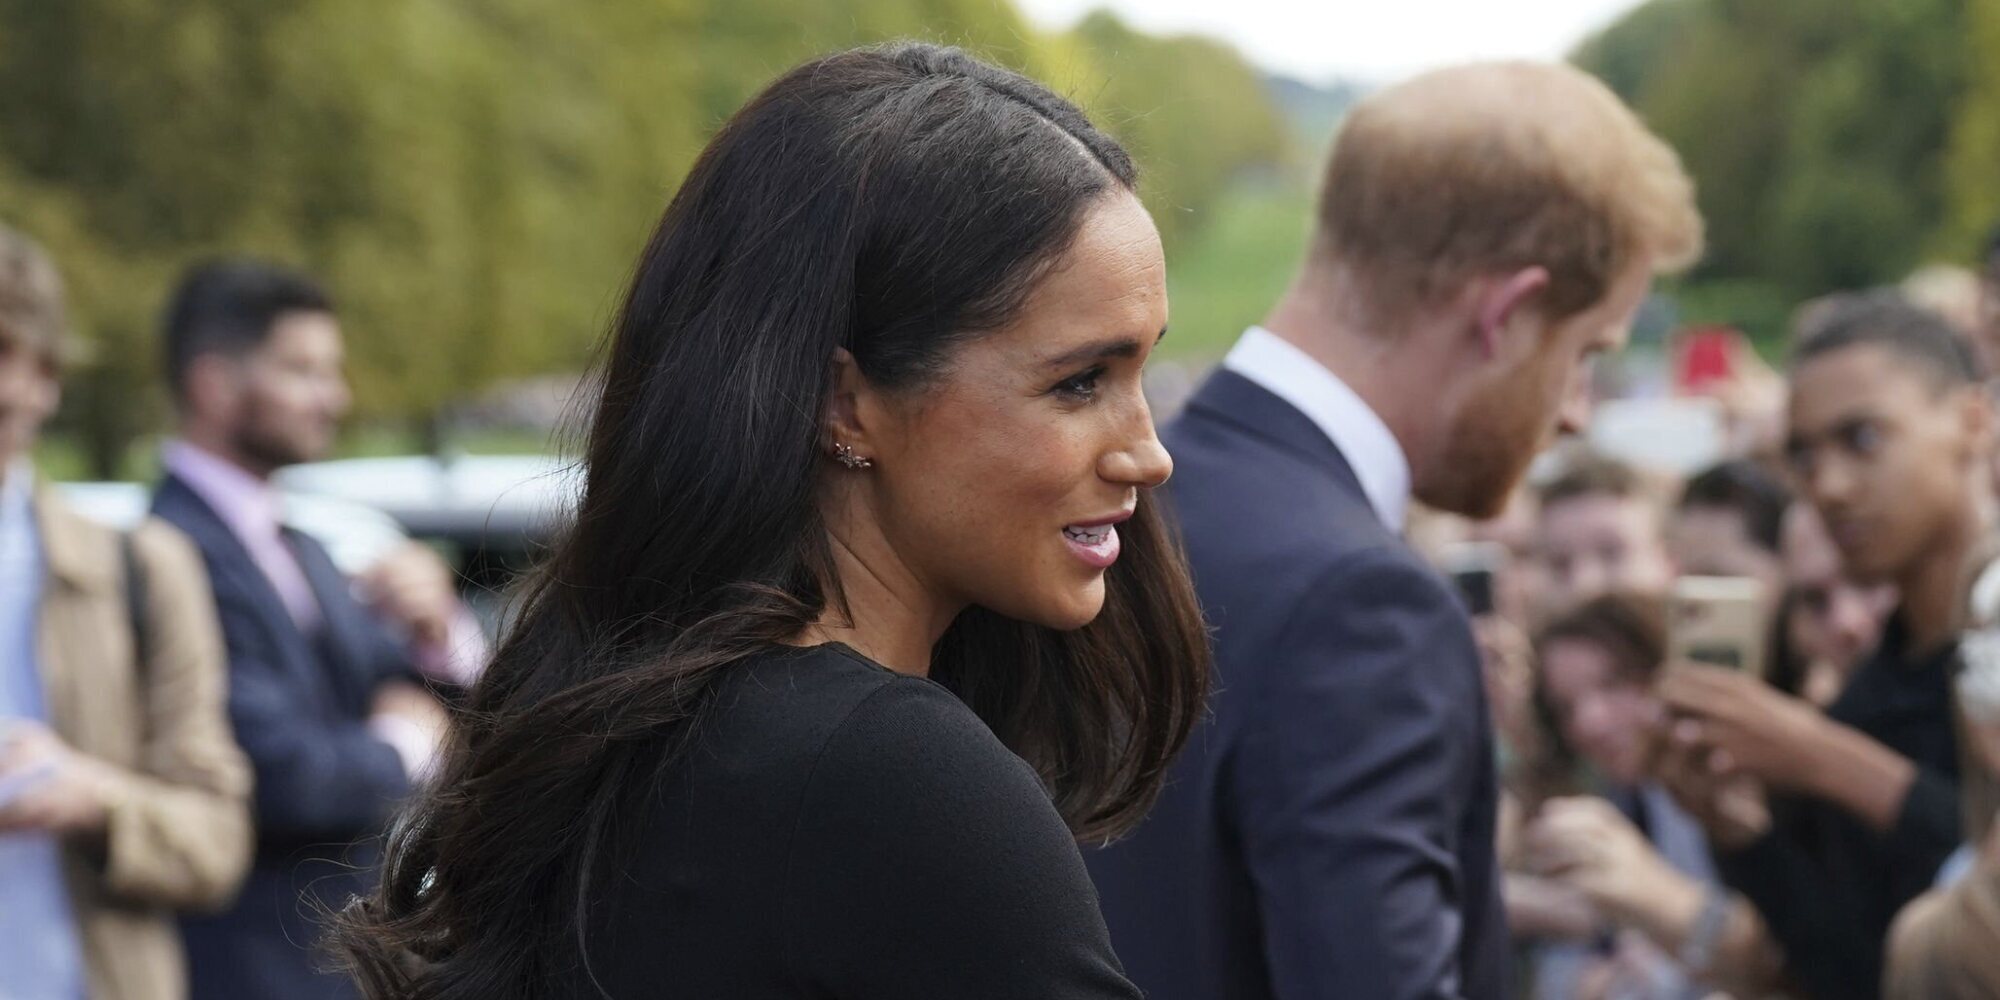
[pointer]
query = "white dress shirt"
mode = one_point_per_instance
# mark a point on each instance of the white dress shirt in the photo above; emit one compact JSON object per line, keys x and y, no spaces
{"x":1338,"y":411}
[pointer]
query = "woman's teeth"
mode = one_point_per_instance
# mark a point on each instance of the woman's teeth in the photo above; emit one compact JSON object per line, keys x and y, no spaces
{"x":1089,"y":536}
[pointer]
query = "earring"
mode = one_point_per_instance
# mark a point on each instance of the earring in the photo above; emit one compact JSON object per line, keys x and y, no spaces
{"x":845,"y":455}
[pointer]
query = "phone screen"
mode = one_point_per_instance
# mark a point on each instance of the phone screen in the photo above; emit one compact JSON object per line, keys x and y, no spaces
{"x":1718,"y":621}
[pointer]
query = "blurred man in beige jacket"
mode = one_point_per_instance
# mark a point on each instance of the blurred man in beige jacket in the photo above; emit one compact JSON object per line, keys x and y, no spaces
{"x":123,"y":796}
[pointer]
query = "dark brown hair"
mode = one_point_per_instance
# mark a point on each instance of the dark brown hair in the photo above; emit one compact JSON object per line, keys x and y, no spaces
{"x":893,"y":202}
{"x":1630,"y":628}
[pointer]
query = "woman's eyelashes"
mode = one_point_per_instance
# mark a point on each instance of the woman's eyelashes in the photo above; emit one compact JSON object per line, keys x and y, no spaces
{"x":1081,"y":387}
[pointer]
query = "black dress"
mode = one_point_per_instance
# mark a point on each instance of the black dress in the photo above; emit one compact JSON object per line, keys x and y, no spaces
{"x":835,"y":829}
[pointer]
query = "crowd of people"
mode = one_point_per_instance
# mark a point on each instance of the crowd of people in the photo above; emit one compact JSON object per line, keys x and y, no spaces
{"x":1679,"y":829}
{"x":881,"y":659}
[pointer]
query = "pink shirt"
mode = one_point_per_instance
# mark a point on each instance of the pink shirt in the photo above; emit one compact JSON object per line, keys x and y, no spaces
{"x":251,"y":508}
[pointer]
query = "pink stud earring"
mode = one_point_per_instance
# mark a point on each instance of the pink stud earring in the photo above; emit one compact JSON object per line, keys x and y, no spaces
{"x":845,"y":455}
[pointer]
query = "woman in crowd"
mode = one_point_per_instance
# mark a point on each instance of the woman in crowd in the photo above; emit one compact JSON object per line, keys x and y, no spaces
{"x":1638,"y":859}
{"x":866,"y":612}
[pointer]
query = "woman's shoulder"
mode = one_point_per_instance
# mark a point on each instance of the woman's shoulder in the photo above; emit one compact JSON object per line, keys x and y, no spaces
{"x":864,"y":720}
{"x":928,"y":860}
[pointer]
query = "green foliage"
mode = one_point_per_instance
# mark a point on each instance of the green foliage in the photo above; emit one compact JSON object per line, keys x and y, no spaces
{"x":1972,"y":153}
{"x":1813,"y":131}
{"x":1190,"y":109}
{"x":1225,"y":279}
{"x":472,"y":177}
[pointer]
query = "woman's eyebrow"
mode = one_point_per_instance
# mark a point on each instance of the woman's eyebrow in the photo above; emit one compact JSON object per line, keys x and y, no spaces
{"x":1097,"y":350}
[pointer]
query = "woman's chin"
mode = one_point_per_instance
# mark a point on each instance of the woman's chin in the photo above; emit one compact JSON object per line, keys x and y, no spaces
{"x":1064,"y":611}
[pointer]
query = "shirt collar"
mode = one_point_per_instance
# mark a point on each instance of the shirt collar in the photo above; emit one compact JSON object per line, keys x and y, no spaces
{"x":1337,"y":410}
{"x":247,"y":504}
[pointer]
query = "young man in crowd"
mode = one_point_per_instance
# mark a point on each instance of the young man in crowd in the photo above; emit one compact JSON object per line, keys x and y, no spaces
{"x":1601,"y":530}
{"x":327,"y":695}
{"x":1482,"y":232}
{"x":1888,"y":437}
{"x":122,"y":796}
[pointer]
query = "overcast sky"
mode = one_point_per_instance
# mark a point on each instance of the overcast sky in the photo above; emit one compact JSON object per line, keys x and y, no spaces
{"x":1374,"y":41}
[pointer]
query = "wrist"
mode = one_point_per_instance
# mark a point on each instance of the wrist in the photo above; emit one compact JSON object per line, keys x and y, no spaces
{"x":97,"y":794}
{"x":1862,"y":776}
{"x":1661,"y":902}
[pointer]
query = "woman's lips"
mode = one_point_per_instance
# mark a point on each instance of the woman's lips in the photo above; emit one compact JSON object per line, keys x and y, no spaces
{"x":1095,"y":542}
{"x":1096,"y":546}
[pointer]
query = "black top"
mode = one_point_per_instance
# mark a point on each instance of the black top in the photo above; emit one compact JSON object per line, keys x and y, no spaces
{"x":835,"y":830}
{"x":1827,"y":883}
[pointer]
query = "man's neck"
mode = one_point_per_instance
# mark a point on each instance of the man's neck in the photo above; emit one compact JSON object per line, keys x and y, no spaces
{"x":1934,"y":588}
{"x":219,"y":447}
{"x":1310,"y":318}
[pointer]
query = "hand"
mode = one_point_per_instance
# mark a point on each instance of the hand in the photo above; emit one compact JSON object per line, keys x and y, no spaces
{"x":414,"y":586}
{"x":1508,"y":659}
{"x":58,"y":790}
{"x":1590,"y":846}
{"x":1754,"y":729}
{"x":1732,"y":808}
{"x":407,"y":701}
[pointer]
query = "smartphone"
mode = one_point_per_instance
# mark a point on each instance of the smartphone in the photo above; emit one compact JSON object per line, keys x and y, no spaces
{"x":1473,"y":567}
{"x":1718,"y":621}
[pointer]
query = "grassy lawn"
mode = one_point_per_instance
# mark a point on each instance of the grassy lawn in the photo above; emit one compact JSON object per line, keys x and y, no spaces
{"x":1226,"y":276}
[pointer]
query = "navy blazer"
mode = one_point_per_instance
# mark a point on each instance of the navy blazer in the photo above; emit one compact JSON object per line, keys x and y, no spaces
{"x":1329,"y":832}
{"x":325,"y":786}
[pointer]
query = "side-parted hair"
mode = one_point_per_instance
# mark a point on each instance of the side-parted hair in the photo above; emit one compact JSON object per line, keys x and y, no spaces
{"x":32,"y":315}
{"x":1746,"y":488}
{"x":1883,"y":318}
{"x":229,"y":307}
{"x":1482,"y":169}
{"x":895,"y":202}
{"x":1629,"y":628}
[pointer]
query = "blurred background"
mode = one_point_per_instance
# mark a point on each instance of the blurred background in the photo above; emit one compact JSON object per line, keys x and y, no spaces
{"x":473,"y":177}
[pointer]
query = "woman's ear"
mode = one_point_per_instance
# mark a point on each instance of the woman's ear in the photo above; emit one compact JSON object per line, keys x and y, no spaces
{"x":853,"y":412}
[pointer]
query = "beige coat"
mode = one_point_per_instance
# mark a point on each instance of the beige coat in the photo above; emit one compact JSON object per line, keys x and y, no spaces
{"x":178,"y":834}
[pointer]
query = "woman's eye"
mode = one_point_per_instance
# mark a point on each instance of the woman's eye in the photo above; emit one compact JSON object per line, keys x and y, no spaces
{"x":1082,"y":386}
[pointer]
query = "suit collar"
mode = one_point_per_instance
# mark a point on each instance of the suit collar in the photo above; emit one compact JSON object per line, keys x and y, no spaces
{"x":1340,"y":413}
{"x":1229,"y":398}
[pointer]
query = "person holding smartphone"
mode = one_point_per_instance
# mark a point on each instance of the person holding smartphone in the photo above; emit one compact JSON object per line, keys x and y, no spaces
{"x":1641,"y":862}
{"x":1831,"y":822}
{"x":123,"y":797}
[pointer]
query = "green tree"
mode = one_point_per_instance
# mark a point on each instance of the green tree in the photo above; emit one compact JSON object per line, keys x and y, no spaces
{"x":1813,"y":131}
{"x":471,"y":177}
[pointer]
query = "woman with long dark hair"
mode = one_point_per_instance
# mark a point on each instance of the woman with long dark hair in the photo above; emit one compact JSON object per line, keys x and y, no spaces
{"x":866,"y":612}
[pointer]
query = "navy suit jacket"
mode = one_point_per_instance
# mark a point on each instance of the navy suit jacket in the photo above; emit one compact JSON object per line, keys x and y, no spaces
{"x":325,"y":787}
{"x":1329,"y":832}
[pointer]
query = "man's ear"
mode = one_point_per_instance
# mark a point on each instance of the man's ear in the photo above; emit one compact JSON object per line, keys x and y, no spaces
{"x":1500,"y":300}
{"x":1975,"y":414}
{"x":212,"y":386}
